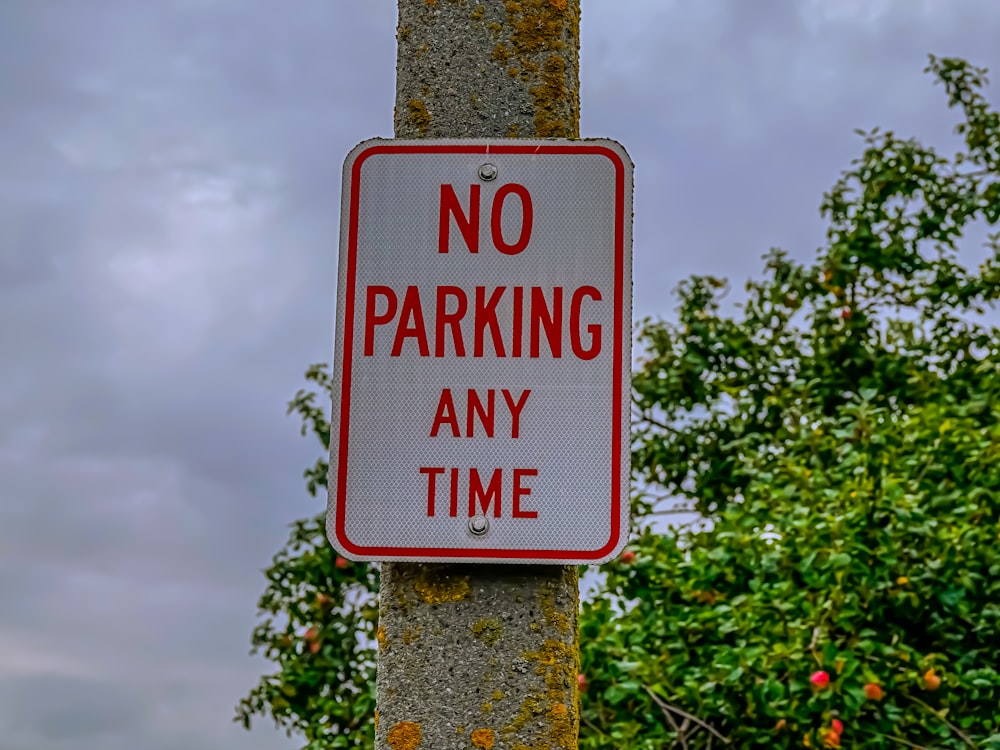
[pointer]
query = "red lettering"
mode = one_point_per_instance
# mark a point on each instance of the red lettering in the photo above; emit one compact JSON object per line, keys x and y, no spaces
{"x":445,"y":414}
{"x":520,"y":492}
{"x":453,"y":504}
{"x":453,"y":320}
{"x":527,"y":217}
{"x":431,"y":473}
{"x":468,"y":225}
{"x":574,"y":324}
{"x":485,"y":414}
{"x":372,"y":318}
{"x":518,"y":321}
{"x":496,"y":316}
{"x":515,"y":410}
{"x":485,"y":316}
{"x":550,"y":320}
{"x":485,"y":497}
{"x":411,"y":324}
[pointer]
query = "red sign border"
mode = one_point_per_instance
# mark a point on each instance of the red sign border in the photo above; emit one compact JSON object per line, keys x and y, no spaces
{"x":445,"y":554}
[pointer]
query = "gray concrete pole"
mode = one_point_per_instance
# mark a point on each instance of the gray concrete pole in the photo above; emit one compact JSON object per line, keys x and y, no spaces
{"x":477,"y":656}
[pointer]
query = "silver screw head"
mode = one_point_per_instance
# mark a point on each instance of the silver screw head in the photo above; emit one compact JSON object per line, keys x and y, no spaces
{"x":488,"y":172}
{"x":479,"y":525}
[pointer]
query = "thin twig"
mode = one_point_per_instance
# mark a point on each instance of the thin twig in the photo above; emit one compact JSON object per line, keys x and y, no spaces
{"x":670,"y":720}
{"x":667,"y":707}
{"x":682,"y":734}
{"x":965,"y":738}
{"x":812,"y":645}
{"x":900,"y":740}
{"x":592,"y":725}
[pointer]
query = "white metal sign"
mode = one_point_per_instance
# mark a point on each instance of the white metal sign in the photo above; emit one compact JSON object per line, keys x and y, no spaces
{"x":481,"y":368}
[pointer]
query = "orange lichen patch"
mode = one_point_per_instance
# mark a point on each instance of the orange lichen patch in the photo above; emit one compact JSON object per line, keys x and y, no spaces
{"x":406,"y":735}
{"x":501,"y":54}
{"x":477,"y":13}
{"x":383,"y":640}
{"x":430,"y":2}
{"x":376,"y":719}
{"x":483,"y":739}
{"x":438,"y":588}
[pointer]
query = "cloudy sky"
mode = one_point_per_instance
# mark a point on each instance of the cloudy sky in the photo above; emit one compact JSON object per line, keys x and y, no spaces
{"x":169,"y":196}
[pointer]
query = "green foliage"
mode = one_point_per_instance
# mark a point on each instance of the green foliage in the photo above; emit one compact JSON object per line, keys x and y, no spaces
{"x":839,"y":434}
{"x":319,"y":619}
{"x":867,"y":549}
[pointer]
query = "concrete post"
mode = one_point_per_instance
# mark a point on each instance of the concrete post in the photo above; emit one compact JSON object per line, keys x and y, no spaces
{"x":475,"y":656}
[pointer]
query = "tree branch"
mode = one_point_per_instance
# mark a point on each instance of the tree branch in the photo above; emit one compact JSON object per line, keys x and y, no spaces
{"x":664,"y":706}
{"x":930,"y":709}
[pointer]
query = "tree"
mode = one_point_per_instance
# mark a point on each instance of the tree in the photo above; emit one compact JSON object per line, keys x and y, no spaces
{"x":839,"y":434}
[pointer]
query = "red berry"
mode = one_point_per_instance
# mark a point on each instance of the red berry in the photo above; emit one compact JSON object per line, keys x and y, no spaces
{"x":820,"y":680}
{"x":628,"y":557}
{"x":837,"y":726}
{"x":341,"y":562}
{"x":581,"y":682}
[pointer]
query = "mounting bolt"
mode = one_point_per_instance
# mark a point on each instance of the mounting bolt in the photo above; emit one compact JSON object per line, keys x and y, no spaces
{"x":479,"y":525}
{"x":488,"y":172}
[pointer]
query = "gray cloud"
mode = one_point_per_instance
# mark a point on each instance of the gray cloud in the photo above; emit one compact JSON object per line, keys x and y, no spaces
{"x":169,"y":195}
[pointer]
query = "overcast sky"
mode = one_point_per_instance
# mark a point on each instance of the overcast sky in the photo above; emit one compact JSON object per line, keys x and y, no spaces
{"x":169,"y":197}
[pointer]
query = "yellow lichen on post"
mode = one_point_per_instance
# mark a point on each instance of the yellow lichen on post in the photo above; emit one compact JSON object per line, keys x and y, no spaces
{"x":383,"y":640}
{"x":488,"y":630}
{"x":539,"y":32}
{"x":558,"y":664}
{"x":411,"y":634}
{"x":553,"y":617}
{"x":483,"y":739}
{"x":530,"y":707}
{"x":419,"y":115}
{"x":406,"y":735}
{"x":440,"y":588}
{"x":549,"y":95}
